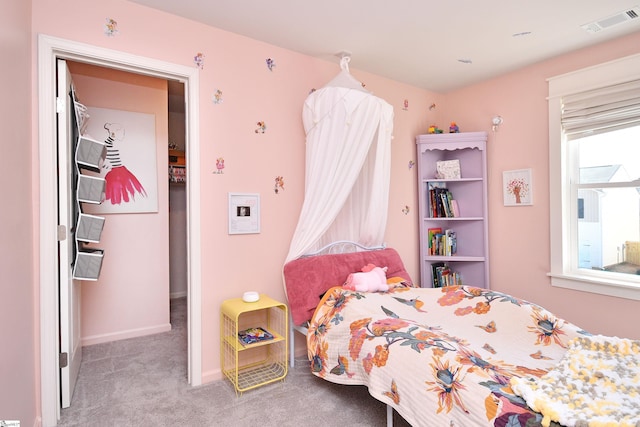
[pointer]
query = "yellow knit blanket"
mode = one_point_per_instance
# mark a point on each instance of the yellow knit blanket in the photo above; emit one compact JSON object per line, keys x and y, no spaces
{"x":596,"y":384}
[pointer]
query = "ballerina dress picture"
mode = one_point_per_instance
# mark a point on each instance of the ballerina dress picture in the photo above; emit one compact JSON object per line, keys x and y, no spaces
{"x":130,"y":165}
{"x":517,"y":187}
{"x":121,"y":184}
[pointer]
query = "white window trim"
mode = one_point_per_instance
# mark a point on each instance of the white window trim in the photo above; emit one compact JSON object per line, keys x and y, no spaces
{"x":563,"y":274}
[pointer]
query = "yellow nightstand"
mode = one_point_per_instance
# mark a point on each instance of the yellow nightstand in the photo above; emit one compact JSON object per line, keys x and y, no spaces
{"x":253,"y":365}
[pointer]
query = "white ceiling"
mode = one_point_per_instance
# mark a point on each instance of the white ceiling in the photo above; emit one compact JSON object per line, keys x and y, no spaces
{"x":425,"y":43}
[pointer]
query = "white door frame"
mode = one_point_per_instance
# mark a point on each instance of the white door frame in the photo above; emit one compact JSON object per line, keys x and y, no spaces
{"x":49,"y":49}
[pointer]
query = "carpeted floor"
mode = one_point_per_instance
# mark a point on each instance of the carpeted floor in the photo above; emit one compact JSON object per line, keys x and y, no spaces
{"x":143,"y":382}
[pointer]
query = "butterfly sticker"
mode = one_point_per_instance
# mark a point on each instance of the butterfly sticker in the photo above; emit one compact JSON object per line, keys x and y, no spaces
{"x":199,"y":60}
{"x":217,"y":97}
{"x":111,"y":27}
{"x":279,"y":184}
{"x":270,"y":63}
{"x":219,"y":165}
{"x":262,"y":127}
{"x":393,"y":394}
{"x":490,"y":327}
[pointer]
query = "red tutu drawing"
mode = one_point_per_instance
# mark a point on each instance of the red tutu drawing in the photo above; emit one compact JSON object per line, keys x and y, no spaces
{"x":121,"y":184}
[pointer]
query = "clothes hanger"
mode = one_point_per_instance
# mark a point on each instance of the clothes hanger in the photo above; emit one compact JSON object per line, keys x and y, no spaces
{"x":345,"y":79}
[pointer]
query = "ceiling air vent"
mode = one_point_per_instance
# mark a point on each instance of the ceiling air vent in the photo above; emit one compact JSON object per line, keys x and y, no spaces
{"x":610,"y":21}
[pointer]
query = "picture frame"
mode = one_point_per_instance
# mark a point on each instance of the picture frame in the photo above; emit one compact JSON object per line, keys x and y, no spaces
{"x":133,"y":161}
{"x":244,"y":213}
{"x":448,"y":169}
{"x":517,"y":187}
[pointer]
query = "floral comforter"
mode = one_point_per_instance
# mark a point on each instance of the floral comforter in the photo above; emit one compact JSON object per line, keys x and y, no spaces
{"x":439,"y":357}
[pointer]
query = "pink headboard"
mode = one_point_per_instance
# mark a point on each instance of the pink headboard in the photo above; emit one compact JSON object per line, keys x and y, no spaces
{"x":306,"y":279}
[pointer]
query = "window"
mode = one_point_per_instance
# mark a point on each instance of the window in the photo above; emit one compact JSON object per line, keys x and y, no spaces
{"x":594,"y":154}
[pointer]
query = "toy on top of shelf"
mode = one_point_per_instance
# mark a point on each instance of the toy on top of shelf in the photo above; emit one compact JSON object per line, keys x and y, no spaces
{"x":434,"y":129}
{"x":453,"y":128}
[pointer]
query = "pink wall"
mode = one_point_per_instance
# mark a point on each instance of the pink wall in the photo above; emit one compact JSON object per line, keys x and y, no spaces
{"x":18,"y":297}
{"x":135,"y":271}
{"x":519,"y":236}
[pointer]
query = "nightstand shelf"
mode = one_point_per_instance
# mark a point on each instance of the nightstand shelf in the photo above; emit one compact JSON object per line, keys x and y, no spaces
{"x":248,"y":366}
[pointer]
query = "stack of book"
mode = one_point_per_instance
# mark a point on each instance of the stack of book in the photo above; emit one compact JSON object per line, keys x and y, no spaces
{"x":442,"y":243}
{"x":443,"y":276}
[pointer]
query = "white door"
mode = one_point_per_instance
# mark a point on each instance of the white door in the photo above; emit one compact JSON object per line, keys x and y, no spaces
{"x":69,"y":289}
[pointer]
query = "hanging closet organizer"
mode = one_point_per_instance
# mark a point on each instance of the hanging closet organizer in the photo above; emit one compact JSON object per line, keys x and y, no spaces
{"x":89,"y":154}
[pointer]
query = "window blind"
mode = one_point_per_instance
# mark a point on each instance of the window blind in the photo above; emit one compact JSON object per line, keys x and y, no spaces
{"x":601,"y":110}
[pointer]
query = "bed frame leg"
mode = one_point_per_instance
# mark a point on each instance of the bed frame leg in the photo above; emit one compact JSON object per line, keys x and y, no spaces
{"x":292,"y":356}
{"x":389,"y":416}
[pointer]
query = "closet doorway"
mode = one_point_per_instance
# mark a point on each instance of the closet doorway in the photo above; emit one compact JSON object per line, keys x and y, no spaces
{"x":49,"y":50}
{"x":137,"y":118}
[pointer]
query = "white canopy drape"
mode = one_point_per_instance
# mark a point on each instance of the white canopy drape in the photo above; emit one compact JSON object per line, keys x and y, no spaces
{"x":348,"y":154}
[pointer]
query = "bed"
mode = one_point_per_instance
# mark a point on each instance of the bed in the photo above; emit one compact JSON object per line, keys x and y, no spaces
{"x":457,"y":356}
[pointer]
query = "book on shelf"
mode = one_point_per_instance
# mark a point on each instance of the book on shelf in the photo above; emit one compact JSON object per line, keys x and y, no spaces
{"x":452,"y":242}
{"x":437,"y":267}
{"x":432,"y":233}
{"x":442,"y":243}
{"x":254,"y":335}
{"x":441,"y":201}
{"x":434,"y":189}
{"x":454,"y":208}
{"x":443,"y":276}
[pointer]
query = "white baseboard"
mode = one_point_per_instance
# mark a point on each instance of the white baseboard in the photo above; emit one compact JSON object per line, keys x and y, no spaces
{"x":122,"y":335}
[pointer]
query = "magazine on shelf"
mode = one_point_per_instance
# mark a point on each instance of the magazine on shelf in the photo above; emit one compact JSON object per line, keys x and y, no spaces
{"x":254,"y":335}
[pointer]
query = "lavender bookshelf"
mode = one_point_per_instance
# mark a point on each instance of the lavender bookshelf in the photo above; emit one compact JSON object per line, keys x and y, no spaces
{"x":470,"y":192}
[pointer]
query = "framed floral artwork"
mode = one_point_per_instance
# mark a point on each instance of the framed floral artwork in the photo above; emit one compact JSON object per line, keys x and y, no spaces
{"x":517,"y":187}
